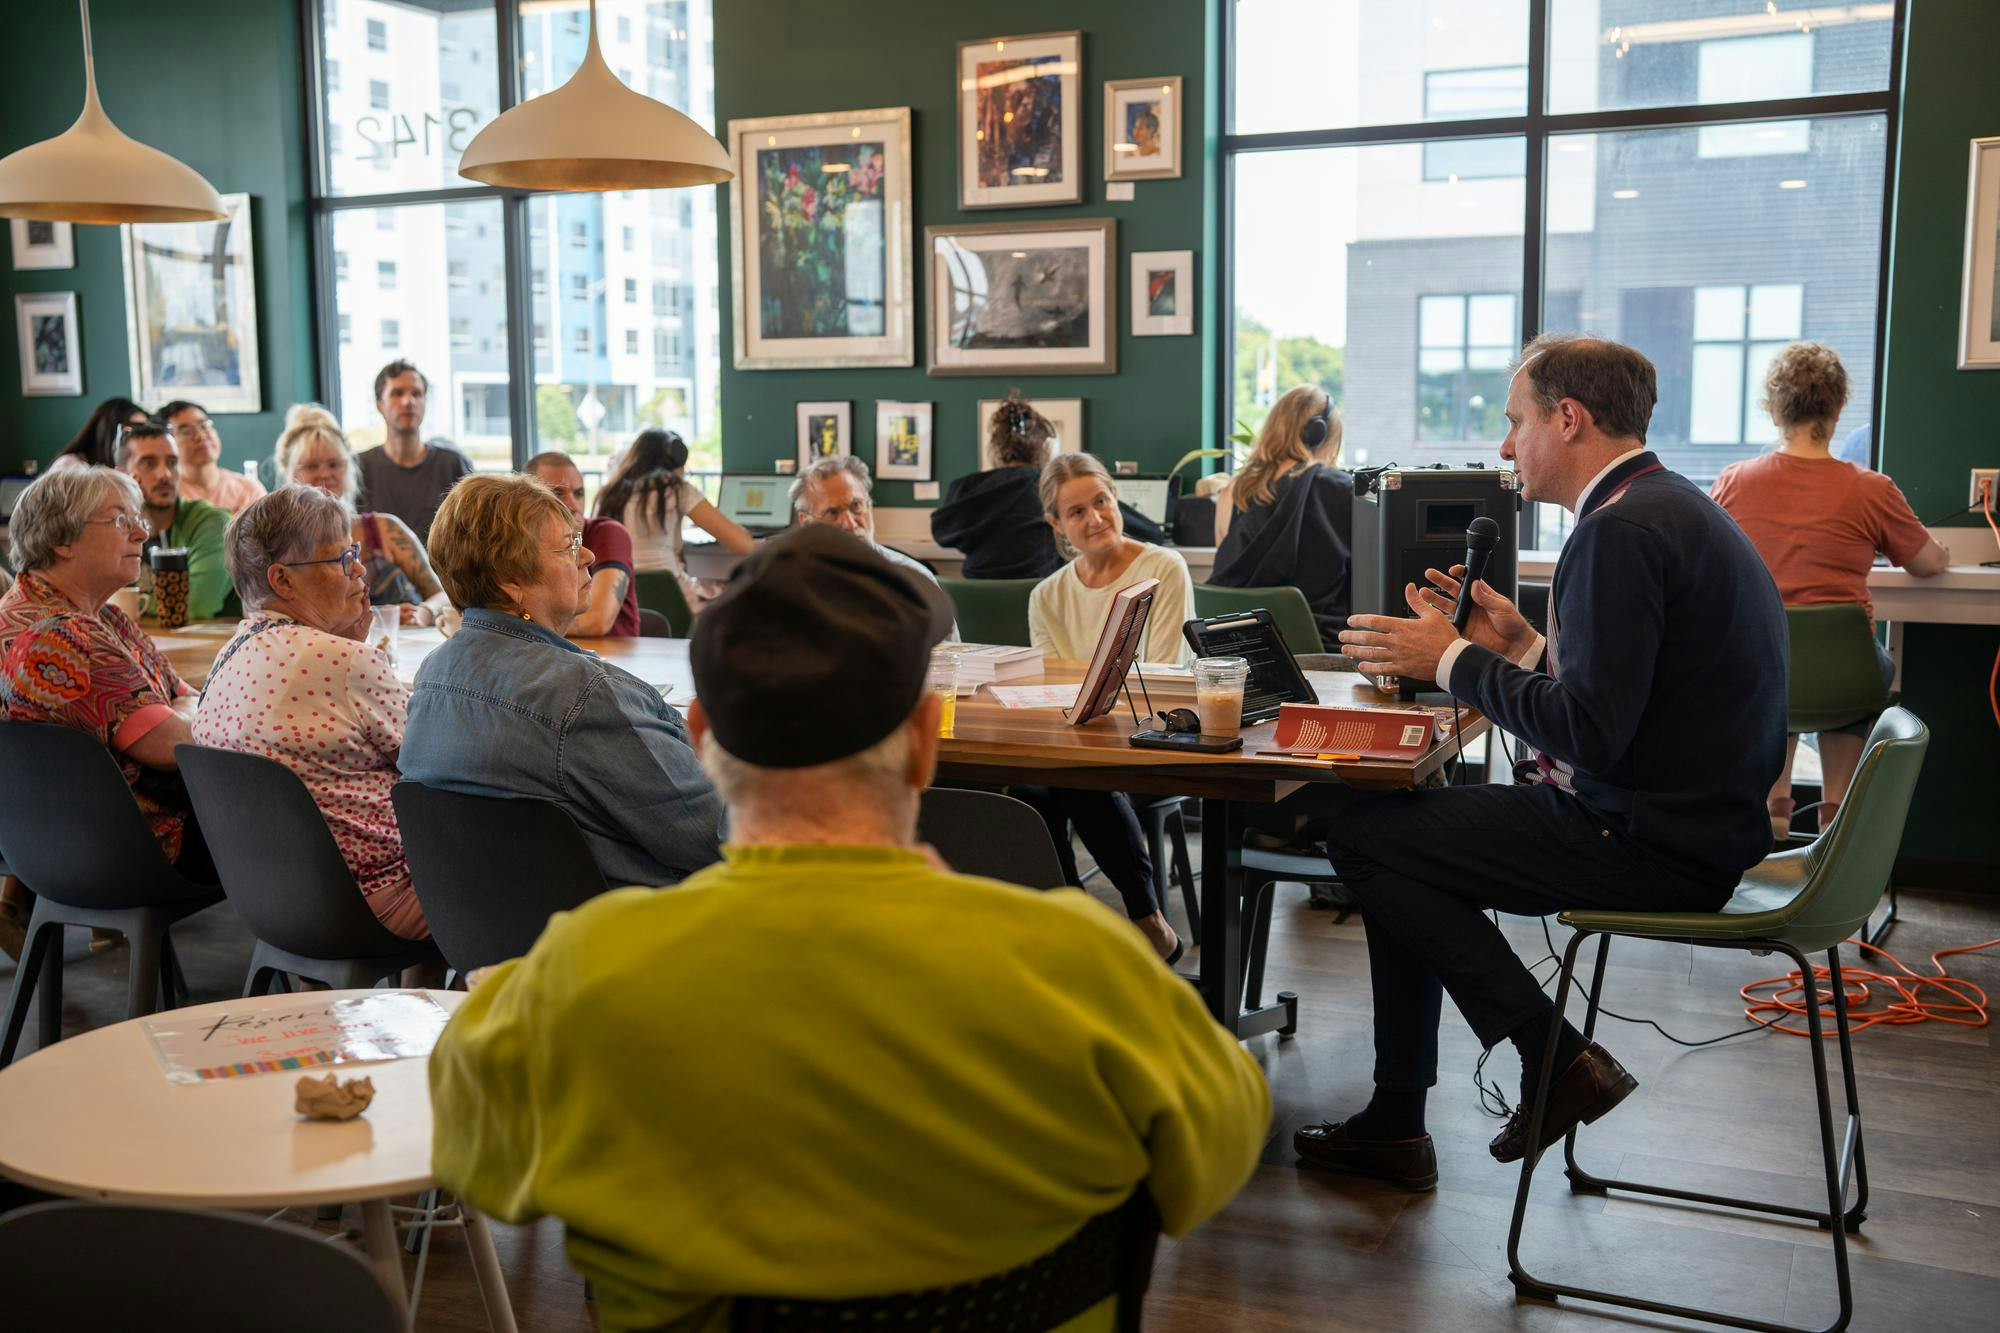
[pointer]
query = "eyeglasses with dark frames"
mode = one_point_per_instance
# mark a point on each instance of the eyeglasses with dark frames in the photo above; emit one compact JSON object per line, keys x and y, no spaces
{"x":347,"y":560}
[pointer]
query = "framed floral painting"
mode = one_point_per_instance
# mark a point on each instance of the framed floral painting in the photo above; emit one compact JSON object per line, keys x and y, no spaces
{"x":819,"y":218}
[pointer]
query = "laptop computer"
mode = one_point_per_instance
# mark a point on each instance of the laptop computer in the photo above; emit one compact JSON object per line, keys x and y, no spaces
{"x":760,"y":502}
{"x":11,"y":491}
{"x":1151,"y":496}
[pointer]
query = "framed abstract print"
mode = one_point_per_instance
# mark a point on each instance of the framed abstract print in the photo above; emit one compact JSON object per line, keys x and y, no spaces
{"x":1023,"y":298}
{"x":1020,"y":121}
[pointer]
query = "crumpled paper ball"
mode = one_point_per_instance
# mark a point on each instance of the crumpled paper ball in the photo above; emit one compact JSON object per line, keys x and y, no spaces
{"x":329,"y":1098}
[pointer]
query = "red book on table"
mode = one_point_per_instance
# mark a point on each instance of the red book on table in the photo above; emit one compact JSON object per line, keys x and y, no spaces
{"x":1326,"y":730}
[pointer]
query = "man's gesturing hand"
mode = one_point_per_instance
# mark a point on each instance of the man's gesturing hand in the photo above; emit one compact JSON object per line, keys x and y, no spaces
{"x":1397,"y":645}
{"x":1494,"y":623}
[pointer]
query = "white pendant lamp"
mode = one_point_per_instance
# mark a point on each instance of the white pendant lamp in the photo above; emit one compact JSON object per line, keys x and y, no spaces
{"x":92,"y":172}
{"x":594,"y":133}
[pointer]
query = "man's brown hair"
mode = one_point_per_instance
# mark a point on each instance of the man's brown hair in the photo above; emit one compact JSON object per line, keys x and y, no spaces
{"x":1615,"y":382}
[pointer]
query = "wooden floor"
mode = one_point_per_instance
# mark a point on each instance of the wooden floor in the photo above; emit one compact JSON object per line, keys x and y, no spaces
{"x":1298,"y":1249}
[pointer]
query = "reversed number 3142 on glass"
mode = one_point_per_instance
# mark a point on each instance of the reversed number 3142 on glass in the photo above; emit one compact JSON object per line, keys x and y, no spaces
{"x":391,"y":134}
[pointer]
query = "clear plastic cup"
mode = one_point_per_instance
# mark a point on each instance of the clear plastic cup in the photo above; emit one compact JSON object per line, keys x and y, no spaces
{"x":382,"y":633}
{"x":1218,"y":694}
{"x":942,"y":680}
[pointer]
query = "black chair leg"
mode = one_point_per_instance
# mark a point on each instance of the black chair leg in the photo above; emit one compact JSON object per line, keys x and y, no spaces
{"x":42,"y":936}
{"x":1836,"y":1182}
{"x":50,"y":1014}
{"x":1257,"y":941}
{"x":1856,"y":1215}
{"x":142,"y":974}
{"x":1580,"y":1180}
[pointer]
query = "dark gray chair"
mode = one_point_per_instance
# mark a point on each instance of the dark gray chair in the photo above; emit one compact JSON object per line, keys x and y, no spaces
{"x":491,"y":870}
{"x":286,"y":878}
{"x":1111,"y":1255}
{"x":654,"y":625}
{"x":74,"y":835}
{"x":111,"y":1267}
{"x":990,"y":835}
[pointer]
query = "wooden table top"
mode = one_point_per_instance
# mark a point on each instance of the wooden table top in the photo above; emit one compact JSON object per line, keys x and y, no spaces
{"x":997,"y":744}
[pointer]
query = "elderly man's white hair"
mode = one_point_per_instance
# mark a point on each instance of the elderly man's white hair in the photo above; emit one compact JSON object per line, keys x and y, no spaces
{"x":821,"y":469}
{"x":876,"y":778}
{"x":54,"y":510}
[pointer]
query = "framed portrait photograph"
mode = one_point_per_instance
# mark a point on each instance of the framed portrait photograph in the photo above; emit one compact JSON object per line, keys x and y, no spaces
{"x":826,"y":430}
{"x":1979,"y":311}
{"x":1064,"y":414}
{"x":51,"y":352}
{"x":191,"y":310}
{"x":43,"y":244}
{"x":903,"y":441}
{"x":1142,"y":129}
{"x":1020,"y":113}
{"x":1162,"y":292}
{"x":1023,"y":298}
{"x":819,"y":255}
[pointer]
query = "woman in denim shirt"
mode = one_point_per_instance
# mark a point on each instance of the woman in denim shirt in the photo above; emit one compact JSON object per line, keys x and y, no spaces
{"x":508,"y":707}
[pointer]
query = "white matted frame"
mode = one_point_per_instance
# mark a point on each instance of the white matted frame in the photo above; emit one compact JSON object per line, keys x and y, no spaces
{"x":1162,"y":287}
{"x":43,"y":244}
{"x":1130,"y":153}
{"x":1065,"y":415}
{"x":1979,"y":307}
{"x":826,"y":430}
{"x":51,"y":352}
{"x":1023,"y":298}
{"x":191,"y":310}
{"x":1014,"y":148}
{"x":772,"y":155}
{"x":903,"y":438}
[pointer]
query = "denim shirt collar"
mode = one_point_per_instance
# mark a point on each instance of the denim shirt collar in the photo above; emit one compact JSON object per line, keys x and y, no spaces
{"x":495,"y":622}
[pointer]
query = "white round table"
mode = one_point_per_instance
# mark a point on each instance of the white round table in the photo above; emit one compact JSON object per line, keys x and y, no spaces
{"x":94,"y":1117}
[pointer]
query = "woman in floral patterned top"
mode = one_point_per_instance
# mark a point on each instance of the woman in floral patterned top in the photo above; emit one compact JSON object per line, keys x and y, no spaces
{"x":299,"y":684}
{"x":67,"y":656}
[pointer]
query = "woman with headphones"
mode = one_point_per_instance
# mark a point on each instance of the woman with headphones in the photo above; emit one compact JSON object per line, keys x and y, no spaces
{"x":1288,"y":517}
{"x":647,"y":493}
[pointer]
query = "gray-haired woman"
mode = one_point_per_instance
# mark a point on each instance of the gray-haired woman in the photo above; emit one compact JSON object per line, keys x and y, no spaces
{"x":68,"y":656}
{"x":298,"y":684}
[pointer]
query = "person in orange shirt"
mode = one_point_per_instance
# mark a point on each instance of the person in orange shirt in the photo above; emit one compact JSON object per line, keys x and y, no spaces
{"x":1818,"y":523}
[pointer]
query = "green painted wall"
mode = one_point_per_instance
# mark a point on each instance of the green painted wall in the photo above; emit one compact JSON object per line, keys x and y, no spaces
{"x":1939,"y":421}
{"x":215,"y":85}
{"x":781,"y":57}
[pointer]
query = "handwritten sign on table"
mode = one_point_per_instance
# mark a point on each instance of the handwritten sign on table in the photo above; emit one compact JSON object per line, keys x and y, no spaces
{"x":261,"y":1039}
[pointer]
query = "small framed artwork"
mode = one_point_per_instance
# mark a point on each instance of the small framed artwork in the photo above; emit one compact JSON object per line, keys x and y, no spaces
{"x":1020,"y":121}
{"x":43,"y":244}
{"x":903,"y":441}
{"x":1064,"y":414}
{"x":819,"y":253}
{"x":1979,"y":313}
{"x":191,"y":310}
{"x":1142,"y":129}
{"x":51,"y":355}
{"x":1030,"y":298}
{"x":826,"y":430}
{"x":1162,"y":292}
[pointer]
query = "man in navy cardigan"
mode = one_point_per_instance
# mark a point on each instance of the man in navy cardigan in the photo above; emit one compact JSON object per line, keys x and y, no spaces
{"x":1657,"y":707}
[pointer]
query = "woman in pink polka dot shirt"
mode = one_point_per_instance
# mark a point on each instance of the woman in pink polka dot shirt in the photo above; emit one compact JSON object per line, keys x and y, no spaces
{"x":299,"y":684}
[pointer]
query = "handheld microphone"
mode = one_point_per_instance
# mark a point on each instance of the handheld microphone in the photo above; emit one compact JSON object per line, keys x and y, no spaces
{"x":1480,"y":536}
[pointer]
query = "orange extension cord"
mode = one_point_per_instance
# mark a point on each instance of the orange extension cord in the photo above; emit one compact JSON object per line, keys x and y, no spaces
{"x":1904,"y":1002}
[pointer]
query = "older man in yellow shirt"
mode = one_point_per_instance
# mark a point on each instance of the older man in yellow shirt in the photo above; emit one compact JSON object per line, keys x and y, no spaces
{"x":827,"y":1067}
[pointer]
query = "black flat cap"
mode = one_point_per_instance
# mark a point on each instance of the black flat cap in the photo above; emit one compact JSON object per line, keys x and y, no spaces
{"x":816,"y":650}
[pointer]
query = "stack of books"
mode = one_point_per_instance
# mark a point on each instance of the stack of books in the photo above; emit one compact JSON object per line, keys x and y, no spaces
{"x":989,"y":663}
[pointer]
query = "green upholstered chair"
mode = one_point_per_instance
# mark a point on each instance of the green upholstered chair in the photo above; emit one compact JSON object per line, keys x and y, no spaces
{"x":1287,"y":606}
{"x":991,"y":610}
{"x":1836,"y":680}
{"x":660,"y":590}
{"x":1795,"y":903}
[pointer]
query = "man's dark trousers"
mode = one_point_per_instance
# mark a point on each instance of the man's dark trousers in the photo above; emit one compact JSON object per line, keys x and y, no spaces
{"x":1424,"y":864}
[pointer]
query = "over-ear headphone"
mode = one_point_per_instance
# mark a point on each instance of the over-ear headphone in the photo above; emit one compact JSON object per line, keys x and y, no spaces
{"x":677,"y":451}
{"x":1314,"y":432}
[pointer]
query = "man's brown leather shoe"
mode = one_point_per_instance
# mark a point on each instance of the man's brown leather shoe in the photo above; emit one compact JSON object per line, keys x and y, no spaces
{"x":1591,"y":1086}
{"x":1410,"y":1163}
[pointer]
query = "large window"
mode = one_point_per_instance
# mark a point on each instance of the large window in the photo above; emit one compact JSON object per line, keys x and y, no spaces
{"x":1417,"y":186}
{"x":542,"y":321}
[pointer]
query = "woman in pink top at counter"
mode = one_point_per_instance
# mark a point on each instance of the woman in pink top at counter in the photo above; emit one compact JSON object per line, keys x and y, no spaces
{"x":202,"y":475}
{"x":1818,"y":523}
